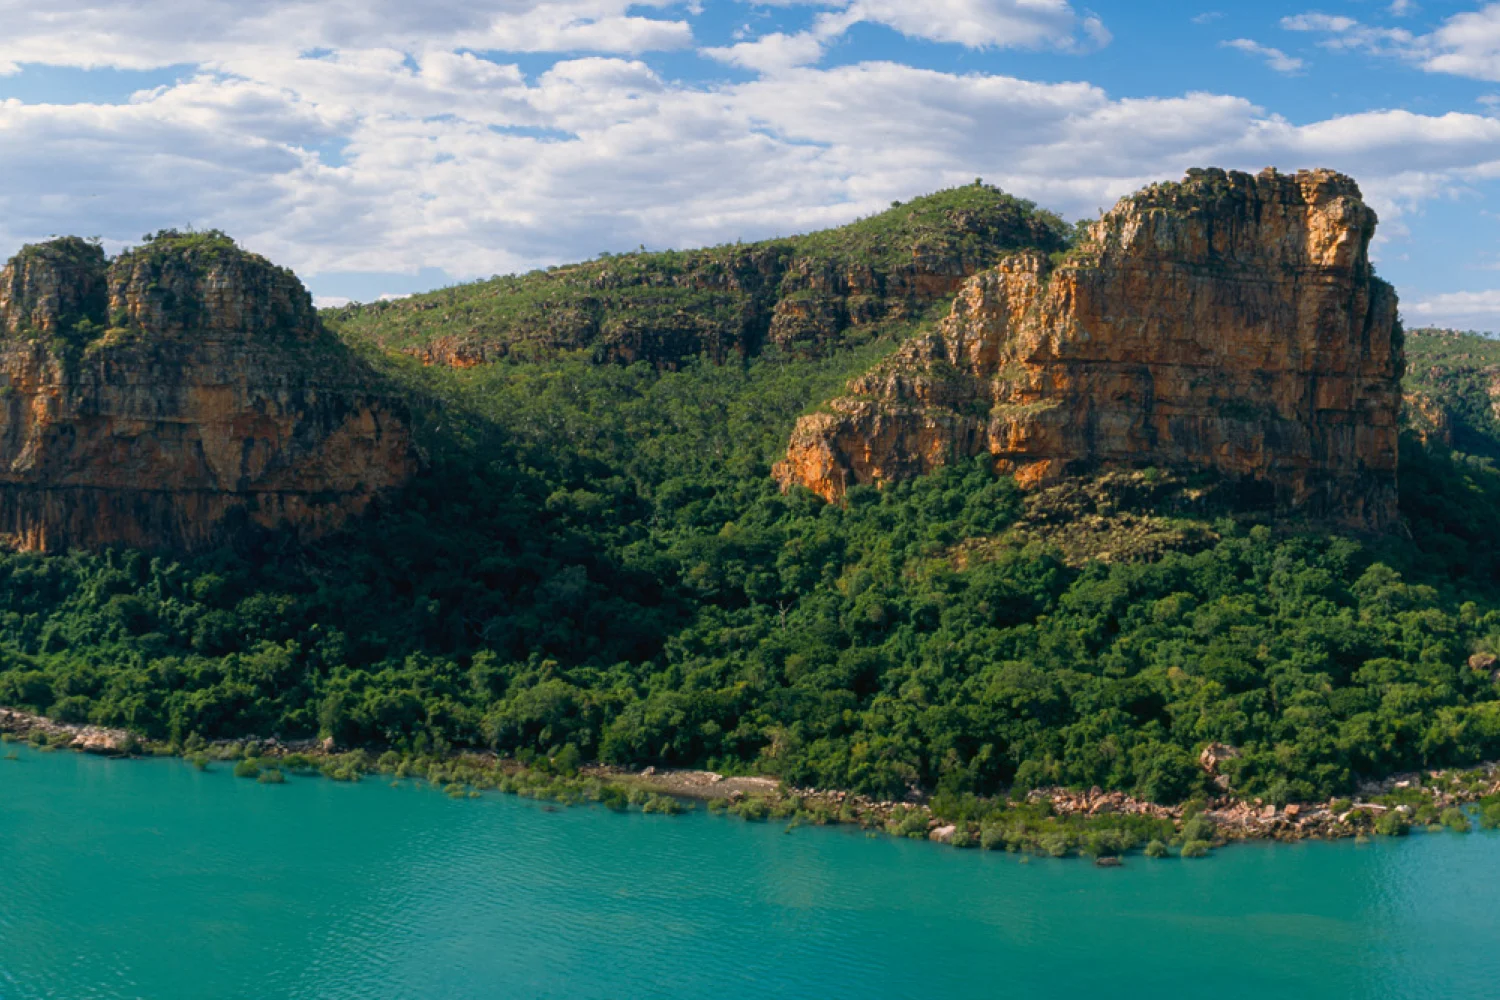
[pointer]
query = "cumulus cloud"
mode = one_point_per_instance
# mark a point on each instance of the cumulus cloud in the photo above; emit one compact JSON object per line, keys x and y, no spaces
{"x":352,"y":149}
{"x":1457,"y":309}
{"x":236,"y":33}
{"x":1274,"y":58}
{"x":1466,"y":44}
{"x":975,"y":24}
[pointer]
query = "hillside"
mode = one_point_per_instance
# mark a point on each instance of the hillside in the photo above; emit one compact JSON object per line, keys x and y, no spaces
{"x":807,"y":294}
{"x":597,"y":556}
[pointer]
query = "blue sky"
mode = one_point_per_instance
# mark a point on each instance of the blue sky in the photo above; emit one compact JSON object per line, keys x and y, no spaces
{"x":382,"y":147}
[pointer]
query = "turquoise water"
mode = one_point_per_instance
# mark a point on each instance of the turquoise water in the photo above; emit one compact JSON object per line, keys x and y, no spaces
{"x":150,"y":879}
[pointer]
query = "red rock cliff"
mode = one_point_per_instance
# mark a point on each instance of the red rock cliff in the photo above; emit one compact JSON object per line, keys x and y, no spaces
{"x":171,"y":397}
{"x":1231,"y":322}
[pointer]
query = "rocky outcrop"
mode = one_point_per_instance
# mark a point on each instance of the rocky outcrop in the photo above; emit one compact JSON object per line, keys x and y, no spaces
{"x":1230,"y":323}
{"x":176,"y":395}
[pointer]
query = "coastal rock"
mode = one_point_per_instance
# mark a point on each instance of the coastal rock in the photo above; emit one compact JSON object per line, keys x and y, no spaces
{"x":176,"y":395}
{"x":1229,"y":323}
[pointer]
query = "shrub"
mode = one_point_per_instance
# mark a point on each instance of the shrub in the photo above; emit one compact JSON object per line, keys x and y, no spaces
{"x":1196,"y":849}
{"x":1392,"y":824}
{"x":664,"y":804}
{"x":752,"y":808}
{"x":247,"y":768}
{"x":1156,"y":849}
{"x":1455,"y":819}
{"x":271,"y":777}
{"x":1198,"y":828}
{"x":1489,"y":819}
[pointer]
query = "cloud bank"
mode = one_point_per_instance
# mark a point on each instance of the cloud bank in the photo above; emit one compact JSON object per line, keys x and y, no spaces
{"x":378,"y":136}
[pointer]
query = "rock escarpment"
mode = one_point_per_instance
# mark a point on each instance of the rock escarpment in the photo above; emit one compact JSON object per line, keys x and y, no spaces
{"x":176,"y":395}
{"x":1230,"y":323}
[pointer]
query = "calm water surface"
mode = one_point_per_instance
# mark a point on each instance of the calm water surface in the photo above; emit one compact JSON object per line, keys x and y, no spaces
{"x":150,"y":879}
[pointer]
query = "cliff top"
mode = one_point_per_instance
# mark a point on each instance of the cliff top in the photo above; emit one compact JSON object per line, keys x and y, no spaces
{"x":961,"y":228}
{"x":175,"y":282}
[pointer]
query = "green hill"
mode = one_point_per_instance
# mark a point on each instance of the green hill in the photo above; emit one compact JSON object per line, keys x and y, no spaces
{"x":809,"y":294}
{"x":597,"y":557}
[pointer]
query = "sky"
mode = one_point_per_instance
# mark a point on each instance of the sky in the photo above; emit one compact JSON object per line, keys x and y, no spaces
{"x":384,"y":147}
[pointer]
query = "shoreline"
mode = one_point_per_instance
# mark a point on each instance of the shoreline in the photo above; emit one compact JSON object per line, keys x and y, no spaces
{"x":1055,"y":821}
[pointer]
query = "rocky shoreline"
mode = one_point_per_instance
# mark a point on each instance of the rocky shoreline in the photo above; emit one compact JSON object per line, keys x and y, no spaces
{"x":1392,"y":806}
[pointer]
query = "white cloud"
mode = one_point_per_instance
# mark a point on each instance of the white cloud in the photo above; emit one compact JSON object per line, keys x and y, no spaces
{"x":1275,"y":58}
{"x":1402,"y":8}
{"x":772,"y":53}
{"x":975,"y":24}
{"x":1466,"y":44}
{"x":237,"y":33}
{"x":345,"y":149}
{"x":1457,"y":309}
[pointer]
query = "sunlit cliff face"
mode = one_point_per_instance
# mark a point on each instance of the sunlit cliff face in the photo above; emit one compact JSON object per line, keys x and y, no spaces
{"x":1230,"y":323}
{"x":175,"y":395}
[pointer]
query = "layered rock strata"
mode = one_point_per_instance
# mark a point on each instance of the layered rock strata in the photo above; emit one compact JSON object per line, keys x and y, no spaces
{"x":1230,"y":322}
{"x":177,"y":395}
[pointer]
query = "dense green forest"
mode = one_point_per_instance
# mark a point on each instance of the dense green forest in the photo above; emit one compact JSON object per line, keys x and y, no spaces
{"x":597,"y":557}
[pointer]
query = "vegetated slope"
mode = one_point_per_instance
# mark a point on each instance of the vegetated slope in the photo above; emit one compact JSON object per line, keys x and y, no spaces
{"x":1453,"y":389}
{"x":806,"y":294}
{"x":599,"y":557}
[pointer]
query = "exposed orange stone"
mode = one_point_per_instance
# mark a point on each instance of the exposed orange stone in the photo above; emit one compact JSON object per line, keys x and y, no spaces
{"x":1231,"y":322}
{"x":217,"y":393}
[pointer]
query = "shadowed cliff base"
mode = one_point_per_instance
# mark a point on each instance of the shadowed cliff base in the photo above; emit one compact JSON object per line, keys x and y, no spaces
{"x":172,"y":395}
{"x":1230,"y":322}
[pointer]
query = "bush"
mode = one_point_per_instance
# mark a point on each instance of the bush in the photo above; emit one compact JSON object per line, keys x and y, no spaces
{"x":1455,"y":819}
{"x":272,"y":777}
{"x":1196,"y":849}
{"x":1392,"y":824}
{"x":664,"y":804}
{"x":1156,"y":849}
{"x":751,"y":808}
{"x":247,"y":768}
{"x":1489,"y":818}
{"x":1199,"y":828}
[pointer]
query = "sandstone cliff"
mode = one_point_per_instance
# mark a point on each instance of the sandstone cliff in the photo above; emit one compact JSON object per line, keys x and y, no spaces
{"x":1230,"y":322}
{"x":175,"y":395}
{"x":806,"y":295}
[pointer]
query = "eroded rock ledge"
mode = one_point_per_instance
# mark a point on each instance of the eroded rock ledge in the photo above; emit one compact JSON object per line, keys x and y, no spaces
{"x":177,"y":394}
{"x":1230,"y":322}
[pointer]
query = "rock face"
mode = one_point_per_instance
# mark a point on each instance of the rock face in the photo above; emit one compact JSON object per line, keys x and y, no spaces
{"x":177,"y":395}
{"x":1230,"y":322}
